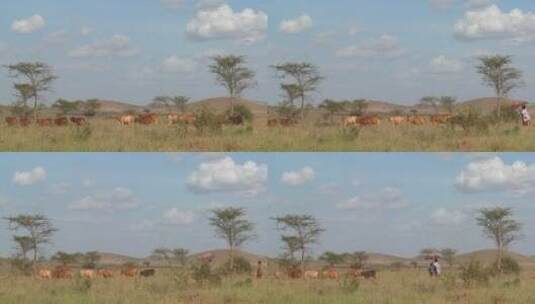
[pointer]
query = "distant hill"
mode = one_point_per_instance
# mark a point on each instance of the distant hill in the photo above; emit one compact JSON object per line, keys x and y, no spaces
{"x":108,"y":106}
{"x":116,"y":259}
{"x":221,"y":256}
{"x":488,"y":256}
{"x":487,"y":104}
{"x":221,"y":104}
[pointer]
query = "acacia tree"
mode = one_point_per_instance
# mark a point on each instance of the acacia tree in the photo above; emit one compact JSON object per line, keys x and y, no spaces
{"x":66,"y":258}
{"x":23,"y":245}
{"x":306,"y":79}
{"x":430,"y":101}
{"x":180,"y":255}
{"x":39,"y":78}
{"x":498,"y":73}
{"x":498,"y":225}
{"x":39,"y":228}
{"x":231,"y":225}
{"x":304,"y":232}
{"x":447,"y":103}
{"x":332,"y":107}
{"x":65,"y":106}
{"x":230,"y":72}
{"x":332,"y":258}
{"x":448,"y":255}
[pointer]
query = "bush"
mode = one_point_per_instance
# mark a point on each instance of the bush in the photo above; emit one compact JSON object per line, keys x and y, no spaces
{"x":509,"y":266}
{"x":82,"y":285}
{"x":82,"y":134}
{"x":203,"y":275}
{"x":473,"y":274}
{"x":240,"y":110}
{"x":241,"y":266}
{"x":470,"y":121}
{"x":350,"y":285}
{"x":206,"y":120}
{"x":22,"y":266}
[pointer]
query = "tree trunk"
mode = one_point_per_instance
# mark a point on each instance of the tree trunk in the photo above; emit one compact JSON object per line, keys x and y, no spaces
{"x":232,"y":106}
{"x":302,"y":108}
{"x":231,"y":256}
{"x":303,"y":262}
{"x":35,"y":108}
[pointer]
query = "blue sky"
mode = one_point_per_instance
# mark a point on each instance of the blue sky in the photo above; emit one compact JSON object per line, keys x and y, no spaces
{"x":135,"y":50}
{"x":390,"y":203}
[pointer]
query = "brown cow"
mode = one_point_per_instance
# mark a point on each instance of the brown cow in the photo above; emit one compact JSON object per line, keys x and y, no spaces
{"x":417,"y":120}
{"x":105,"y":273}
{"x":330,"y":274}
{"x":45,"y":122}
{"x":147,"y":273}
{"x":295,"y":273}
{"x":311,"y":274}
{"x":440,"y":119}
{"x":286,"y":122}
{"x":147,"y":119}
{"x":366,"y":274}
{"x":25,"y":122}
{"x":62,"y":272}
{"x":397,"y":120}
{"x":369,"y":121}
{"x":272,"y":122}
{"x":351,"y":121}
{"x":79,"y":121}
{"x":61,"y":121}
{"x":129,"y":272}
{"x":127,"y":120}
{"x":11,"y":121}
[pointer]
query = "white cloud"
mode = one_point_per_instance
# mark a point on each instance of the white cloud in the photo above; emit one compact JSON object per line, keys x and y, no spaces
{"x":493,"y":174}
{"x":117,"y":199}
{"x":28,"y":25}
{"x":297,"y":25}
{"x":223,"y":23}
{"x":225,"y":175}
{"x":118,"y":45}
{"x":492,"y":23}
{"x":28,"y":178}
{"x":384,"y":46}
{"x":447,"y":217}
{"x":388,"y":198}
{"x":174,"y":64}
{"x":297,"y":178}
{"x":444,"y":65}
{"x":84,"y":31}
{"x":176,"y":217}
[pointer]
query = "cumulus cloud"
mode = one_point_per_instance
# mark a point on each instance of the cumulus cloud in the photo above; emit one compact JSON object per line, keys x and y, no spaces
{"x":297,"y":178}
{"x":117,"y":199}
{"x":384,"y":46}
{"x":116,"y":46}
{"x":444,"y":65}
{"x":28,"y":178}
{"x":446,"y":217}
{"x":297,"y":25}
{"x":492,"y":23}
{"x":176,"y":217}
{"x":174,"y":64}
{"x":388,"y":198}
{"x":28,"y":25}
{"x":493,"y":174}
{"x":222,"y":22}
{"x":225,"y":175}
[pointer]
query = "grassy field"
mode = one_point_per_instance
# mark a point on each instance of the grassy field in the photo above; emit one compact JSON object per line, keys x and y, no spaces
{"x":107,"y":135}
{"x":396,"y":287}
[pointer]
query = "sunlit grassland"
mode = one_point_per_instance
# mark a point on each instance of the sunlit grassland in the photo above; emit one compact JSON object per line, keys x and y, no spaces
{"x":107,"y":135}
{"x":397,"y":287}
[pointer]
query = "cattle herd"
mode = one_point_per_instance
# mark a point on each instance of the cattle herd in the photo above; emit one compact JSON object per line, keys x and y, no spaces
{"x":64,"y":272}
{"x":418,"y":120}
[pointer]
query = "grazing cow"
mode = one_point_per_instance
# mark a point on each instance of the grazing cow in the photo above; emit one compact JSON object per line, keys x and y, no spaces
{"x":398,"y":120}
{"x":105,"y":273}
{"x":11,"y":121}
{"x":174,"y":118}
{"x":351,"y":121}
{"x":62,"y":272}
{"x":286,"y":122}
{"x":417,"y":120}
{"x":147,"y":119}
{"x":440,"y":119}
{"x":207,"y":258}
{"x":87,"y":273}
{"x":61,"y":121}
{"x":366,"y":274}
{"x":25,"y":122}
{"x":310,"y":274}
{"x":369,"y":121}
{"x":278,"y":275}
{"x":127,"y":120}
{"x":129,"y":272}
{"x":79,"y":121}
{"x":330,"y":274}
{"x":295,"y":273}
{"x":147,"y":273}
{"x":273,"y":122}
{"x":45,"y":274}
{"x":45,"y":122}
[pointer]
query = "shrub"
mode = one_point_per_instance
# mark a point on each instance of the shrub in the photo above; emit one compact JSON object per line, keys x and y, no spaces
{"x":203,"y":275}
{"x":241,"y":266}
{"x":509,"y":266}
{"x":207,"y":120}
{"x":241,"y":110}
{"x":82,"y":134}
{"x":470,"y":121}
{"x":474,"y":273}
{"x":22,"y":266}
{"x":350,"y":285}
{"x":82,"y":285}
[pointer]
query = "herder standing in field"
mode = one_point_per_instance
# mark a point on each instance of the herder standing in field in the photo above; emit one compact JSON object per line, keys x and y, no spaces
{"x":259,"y":271}
{"x":526,"y":117}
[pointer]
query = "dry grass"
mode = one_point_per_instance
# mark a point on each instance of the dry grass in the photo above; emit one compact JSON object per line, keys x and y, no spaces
{"x":402,"y":287}
{"x":107,"y":135}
